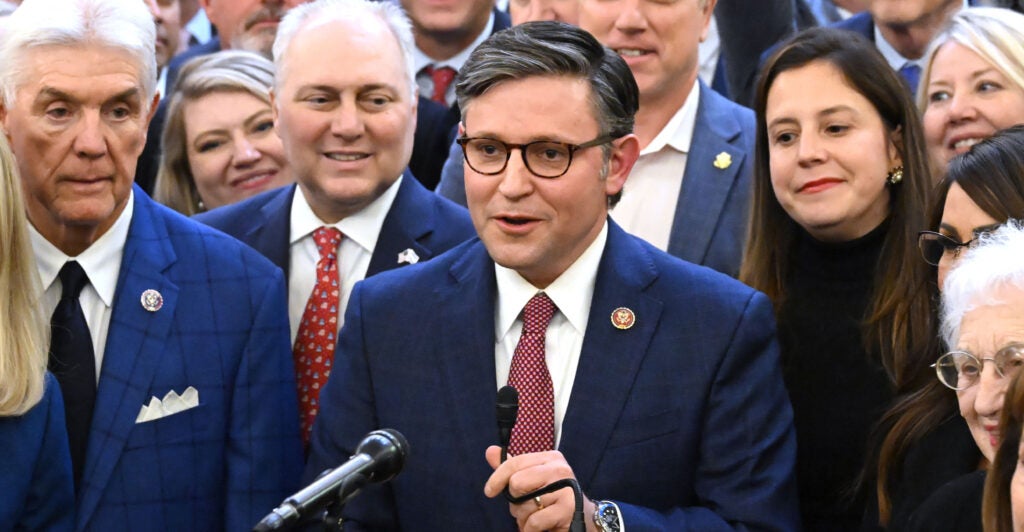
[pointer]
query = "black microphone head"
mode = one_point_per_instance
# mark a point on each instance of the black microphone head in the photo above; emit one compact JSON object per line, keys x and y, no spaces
{"x":507,"y":407}
{"x":387,"y":448}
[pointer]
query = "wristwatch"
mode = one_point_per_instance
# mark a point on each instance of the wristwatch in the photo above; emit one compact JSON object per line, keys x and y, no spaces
{"x":607,"y":518}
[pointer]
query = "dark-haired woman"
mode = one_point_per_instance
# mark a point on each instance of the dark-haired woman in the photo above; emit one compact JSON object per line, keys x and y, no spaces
{"x":840,"y":185}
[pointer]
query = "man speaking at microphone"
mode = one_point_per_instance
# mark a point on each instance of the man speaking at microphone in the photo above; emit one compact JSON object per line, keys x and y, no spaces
{"x":652,"y":382}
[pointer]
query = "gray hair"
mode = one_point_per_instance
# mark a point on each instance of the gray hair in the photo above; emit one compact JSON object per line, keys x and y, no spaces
{"x":548,"y":48}
{"x":226,"y":71}
{"x":995,"y":34}
{"x":121,"y":24}
{"x":986,"y":270}
{"x":323,"y":11}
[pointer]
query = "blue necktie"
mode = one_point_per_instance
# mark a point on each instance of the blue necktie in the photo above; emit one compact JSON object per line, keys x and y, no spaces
{"x":912,"y":75}
{"x":73,"y":362}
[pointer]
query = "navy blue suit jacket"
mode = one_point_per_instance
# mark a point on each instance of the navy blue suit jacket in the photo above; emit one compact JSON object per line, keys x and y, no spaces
{"x":418,"y":220}
{"x":682,"y":419}
{"x":37,"y":491}
{"x":710,"y":224}
{"x":222,"y":329}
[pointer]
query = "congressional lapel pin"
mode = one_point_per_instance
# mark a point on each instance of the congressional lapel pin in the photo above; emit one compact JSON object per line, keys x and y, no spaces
{"x":623,"y":318}
{"x":408,"y":257}
{"x":722,"y":161}
{"x":152,"y":300}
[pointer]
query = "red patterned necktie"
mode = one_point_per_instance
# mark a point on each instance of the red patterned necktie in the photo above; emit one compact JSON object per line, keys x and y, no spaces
{"x":314,"y":343}
{"x":535,"y":427}
{"x":442,"y":79}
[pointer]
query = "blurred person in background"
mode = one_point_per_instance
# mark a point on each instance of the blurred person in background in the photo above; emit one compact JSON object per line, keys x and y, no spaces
{"x":972,"y":81}
{"x":219,"y":142}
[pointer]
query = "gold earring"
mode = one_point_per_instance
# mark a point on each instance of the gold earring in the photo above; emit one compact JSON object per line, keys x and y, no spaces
{"x":895,"y":176}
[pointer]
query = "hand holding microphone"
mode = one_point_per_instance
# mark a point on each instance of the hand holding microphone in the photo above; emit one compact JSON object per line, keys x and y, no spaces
{"x":549,"y":464}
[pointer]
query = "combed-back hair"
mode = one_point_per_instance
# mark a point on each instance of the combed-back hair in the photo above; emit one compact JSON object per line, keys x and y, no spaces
{"x":125,"y":25}
{"x":230,"y":71}
{"x":324,"y":11}
{"x":554,"y":49}
{"x":24,"y":331}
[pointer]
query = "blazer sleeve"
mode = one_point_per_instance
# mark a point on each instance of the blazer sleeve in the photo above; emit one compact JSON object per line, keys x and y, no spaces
{"x":748,"y":446}
{"x":264,"y":456}
{"x":50,"y":504}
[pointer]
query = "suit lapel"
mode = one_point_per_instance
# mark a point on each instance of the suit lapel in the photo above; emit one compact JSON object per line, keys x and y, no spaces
{"x":467,"y":359}
{"x":409,"y":220}
{"x":611,"y":357}
{"x":136,"y":340}
{"x":271,"y":234}
{"x":706,"y":184}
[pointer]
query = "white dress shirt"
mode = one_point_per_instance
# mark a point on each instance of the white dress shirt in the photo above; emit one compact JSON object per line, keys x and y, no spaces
{"x":651,"y":193}
{"x":563,"y":342}
{"x":102,"y":264}
{"x":359,"y":238}
{"x":421,"y":60}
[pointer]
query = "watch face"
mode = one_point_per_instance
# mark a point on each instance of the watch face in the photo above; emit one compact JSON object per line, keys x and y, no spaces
{"x":607,"y":517}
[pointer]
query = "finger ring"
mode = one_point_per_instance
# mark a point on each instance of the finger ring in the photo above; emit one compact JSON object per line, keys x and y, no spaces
{"x":540,"y":505}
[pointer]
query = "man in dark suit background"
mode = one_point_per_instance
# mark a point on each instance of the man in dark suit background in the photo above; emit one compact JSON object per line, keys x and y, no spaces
{"x":347,"y":135}
{"x":445,"y":35}
{"x":653,"y":382}
{"x":689,"y":192}
{"x":902,"y":29}
{"x":170,"y":343}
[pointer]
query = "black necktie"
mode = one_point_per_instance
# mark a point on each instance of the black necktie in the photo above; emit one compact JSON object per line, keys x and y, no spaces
{"x":73,"y":362}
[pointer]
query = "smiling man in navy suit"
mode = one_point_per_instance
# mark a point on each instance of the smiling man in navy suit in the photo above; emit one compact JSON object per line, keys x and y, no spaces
{"x":179,"y":393}
{"x":653,"y":382}
{"x":348,"y":135}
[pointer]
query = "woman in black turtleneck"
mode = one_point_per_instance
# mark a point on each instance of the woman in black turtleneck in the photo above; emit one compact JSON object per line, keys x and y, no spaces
{"x":840,"y":181}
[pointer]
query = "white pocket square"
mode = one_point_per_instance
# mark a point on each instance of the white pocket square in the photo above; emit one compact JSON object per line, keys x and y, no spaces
{"x":172,"y":403}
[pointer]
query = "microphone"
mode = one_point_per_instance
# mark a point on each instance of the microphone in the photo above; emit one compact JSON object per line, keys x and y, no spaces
{"x":378,"y":458}
{"x":508,"y":411}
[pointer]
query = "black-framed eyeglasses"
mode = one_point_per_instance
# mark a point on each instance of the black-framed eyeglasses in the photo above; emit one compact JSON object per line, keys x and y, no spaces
{"x":960,"y":370}
{"x":934,"y":245}
{"x":543,"y":158}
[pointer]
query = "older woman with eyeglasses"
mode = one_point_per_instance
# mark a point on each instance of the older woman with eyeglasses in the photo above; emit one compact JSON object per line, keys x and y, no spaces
{"x":923,"y":445}
{"x":983,"y":325}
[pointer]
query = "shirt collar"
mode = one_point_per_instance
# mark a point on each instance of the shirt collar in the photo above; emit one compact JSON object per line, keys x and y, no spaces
{"x":363,"y":227}
{"x":678,"y":132}
{"x":421,"y":60}
{"x":95,"y":260}
{"x":895,"y":60}
{"x":199,"y":27}
{"x":571,"y":292}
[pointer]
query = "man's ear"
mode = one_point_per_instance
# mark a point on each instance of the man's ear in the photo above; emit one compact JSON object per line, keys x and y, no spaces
{"x":624,"y":153}
{"x":152,"y":108}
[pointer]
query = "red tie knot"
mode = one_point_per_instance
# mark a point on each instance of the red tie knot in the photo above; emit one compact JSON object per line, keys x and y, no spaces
{"x":327,"y":240}
{"x":537,"y":313}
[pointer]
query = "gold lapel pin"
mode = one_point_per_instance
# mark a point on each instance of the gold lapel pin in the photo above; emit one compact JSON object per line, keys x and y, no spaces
{"x":623,"y":318}
{"x":722,"y":161}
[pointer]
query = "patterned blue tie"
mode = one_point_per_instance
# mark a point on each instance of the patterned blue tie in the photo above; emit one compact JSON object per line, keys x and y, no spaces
{"x":912,"y":75}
